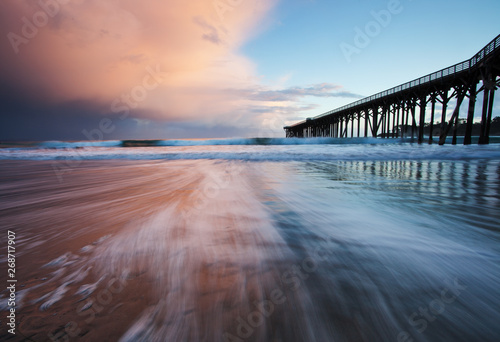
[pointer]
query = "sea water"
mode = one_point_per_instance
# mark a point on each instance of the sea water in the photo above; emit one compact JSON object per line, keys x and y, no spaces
{"x":257,"y":239}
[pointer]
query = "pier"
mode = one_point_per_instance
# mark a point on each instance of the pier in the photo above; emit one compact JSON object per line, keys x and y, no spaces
{"x":401,"y":111}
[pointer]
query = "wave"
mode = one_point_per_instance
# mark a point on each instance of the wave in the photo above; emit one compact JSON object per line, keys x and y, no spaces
{"x":347,"y":152}
{"x":251,"y":149}
{"x":213,"y":142}
{"x":77,"y":144}
{"x":48,"y":145}
{"x":272,"y":141}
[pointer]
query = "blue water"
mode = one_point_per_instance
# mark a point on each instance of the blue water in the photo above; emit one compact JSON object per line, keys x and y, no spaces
{"x":276,"y":149}
{"x":261,"y":240}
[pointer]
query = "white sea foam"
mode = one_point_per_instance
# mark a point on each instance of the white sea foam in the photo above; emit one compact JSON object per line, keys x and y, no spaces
{"x":302,"y":150}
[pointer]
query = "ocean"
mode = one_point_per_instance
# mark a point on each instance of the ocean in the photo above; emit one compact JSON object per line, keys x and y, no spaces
{"x":251,"y":240}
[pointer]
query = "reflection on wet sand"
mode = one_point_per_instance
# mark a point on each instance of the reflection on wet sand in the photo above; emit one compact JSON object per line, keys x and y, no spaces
{"x":209,"y":250}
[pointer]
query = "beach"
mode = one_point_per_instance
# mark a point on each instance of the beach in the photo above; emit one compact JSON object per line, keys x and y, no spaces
{"x":251,"y":246}
{"x":249,"y":171}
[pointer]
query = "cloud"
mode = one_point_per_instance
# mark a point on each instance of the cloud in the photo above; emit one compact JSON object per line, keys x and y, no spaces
{"x":212,"y":34}
{"x":76,"y":61}
{"x":96,"y":49}
{"x":295,"y":93}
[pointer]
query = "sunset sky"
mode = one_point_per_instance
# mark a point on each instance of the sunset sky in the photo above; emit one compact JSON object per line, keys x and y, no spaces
{"x":152,"y":69}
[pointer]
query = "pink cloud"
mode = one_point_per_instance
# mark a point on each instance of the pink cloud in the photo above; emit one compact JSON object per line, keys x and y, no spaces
{"x":95,"y":49}
{"x":102,"y":52}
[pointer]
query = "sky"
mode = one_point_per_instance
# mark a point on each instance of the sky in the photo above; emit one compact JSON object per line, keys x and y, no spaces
{"x":153,"y":69}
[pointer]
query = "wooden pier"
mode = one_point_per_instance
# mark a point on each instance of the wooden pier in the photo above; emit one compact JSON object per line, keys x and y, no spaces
{"x":401,"y":111}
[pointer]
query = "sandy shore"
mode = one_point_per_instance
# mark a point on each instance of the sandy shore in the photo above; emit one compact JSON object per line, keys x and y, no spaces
{"x":64,"y":221}
{"x":142,"y":251}
{"x":224,"y":250}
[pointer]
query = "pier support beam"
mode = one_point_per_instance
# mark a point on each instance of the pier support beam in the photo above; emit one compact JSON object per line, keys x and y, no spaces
{"x":383,"y":120}
{"x":413,"y":121}
{"x":433,"y":109}
{"x":405,"y":120}
{"x":375,"y":122}
{"x":367,"y":122}
{"x":483,"y":137}
{"x":388,"y":130}
{"x":445,"y":99}
{"x":359,"y":123}
{"x":383,"y":124}
{"x":454,"y":118}
{"x":489,"y":96}
{"x":490,"y":112}
{"x":470,"y":114}
{"x":352,"y":126}
{"x":455,"y":130}
{"x":423,"y":104}
{"x":396,"y":123}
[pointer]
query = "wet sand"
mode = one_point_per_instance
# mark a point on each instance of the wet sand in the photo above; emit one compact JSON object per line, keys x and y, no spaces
{"x":218,"y":250}
{"x":66,"y":221}
{"x":143,"y":251}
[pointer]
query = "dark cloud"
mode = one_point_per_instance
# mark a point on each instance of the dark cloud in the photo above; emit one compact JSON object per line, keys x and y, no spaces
{"x":34,"y":120}
{"x":28,"y":119}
